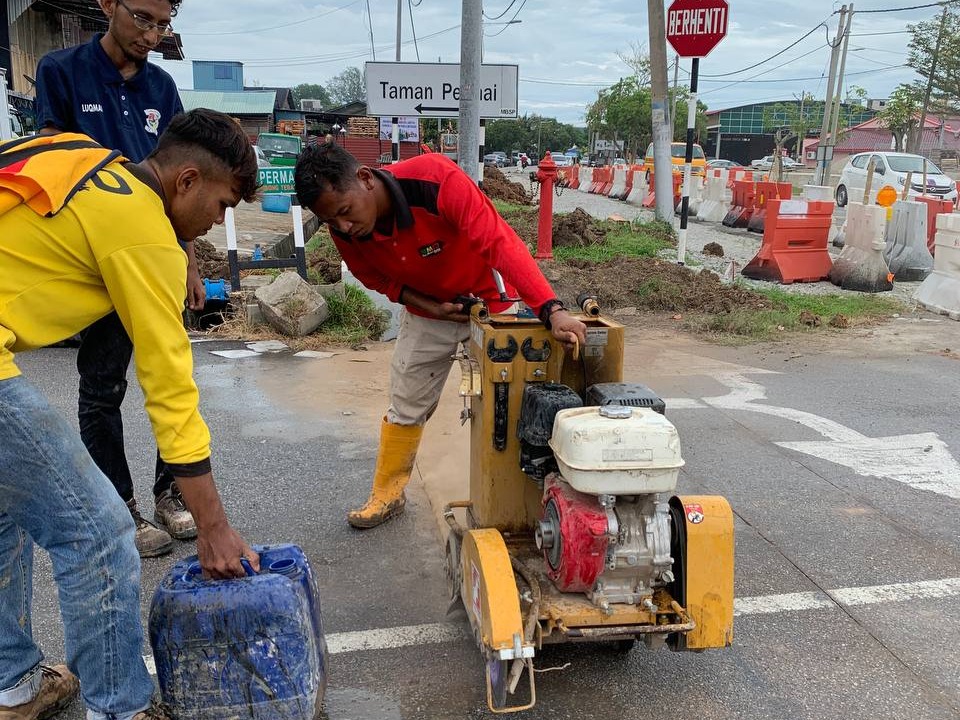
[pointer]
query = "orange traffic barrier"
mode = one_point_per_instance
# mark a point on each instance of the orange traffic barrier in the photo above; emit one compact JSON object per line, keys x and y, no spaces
{"x":651,"y":199}
{"x":741,"y":205}
{"x":738,"y":174}
{"x":794,"y":247}
{"x":573,"y":177}
{"x":767,"y":191}
{"x":677,"y":187}
{"x":935,"y":206}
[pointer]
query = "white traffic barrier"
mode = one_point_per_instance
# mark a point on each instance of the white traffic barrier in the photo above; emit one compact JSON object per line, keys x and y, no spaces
{"x":860,"y":265}
{"x":586,"y":178}
{"x":639,"y":190}
{"x":696,"y":197}
{"x":817,"y":192}
{"x":715,"y":204}
{"x":618,"y":189}
{"x":906,"y":248}
{"x":940,"y":292}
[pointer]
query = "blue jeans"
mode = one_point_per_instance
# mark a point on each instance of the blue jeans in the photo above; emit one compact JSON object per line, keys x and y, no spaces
{"x":52,"y":493}
{"x":102,"y":361}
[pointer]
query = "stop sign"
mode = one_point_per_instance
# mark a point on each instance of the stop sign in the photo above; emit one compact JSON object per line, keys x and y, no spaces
{"x":694,"y":27}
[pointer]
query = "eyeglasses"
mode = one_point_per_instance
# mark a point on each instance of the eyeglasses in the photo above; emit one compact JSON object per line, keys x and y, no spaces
{"x":145,"y":25}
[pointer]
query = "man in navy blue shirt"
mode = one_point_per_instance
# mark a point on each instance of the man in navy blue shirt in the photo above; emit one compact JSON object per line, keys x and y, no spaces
{"x":106,"y":89}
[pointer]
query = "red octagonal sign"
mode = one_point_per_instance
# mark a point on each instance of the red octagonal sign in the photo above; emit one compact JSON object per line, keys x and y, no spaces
{"x":694,"y":27}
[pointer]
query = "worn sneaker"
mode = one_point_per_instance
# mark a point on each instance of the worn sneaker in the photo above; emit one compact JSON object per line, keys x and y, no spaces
{"x":150,"y":540}
{"x":172,"y":514}
{"x":58,"y":688}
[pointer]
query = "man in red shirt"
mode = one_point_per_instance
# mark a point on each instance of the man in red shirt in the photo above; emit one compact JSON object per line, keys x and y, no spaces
{"x":423,"y":234}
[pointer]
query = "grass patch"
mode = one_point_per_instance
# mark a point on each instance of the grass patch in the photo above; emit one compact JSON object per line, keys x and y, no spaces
{"x":508,"y":208}
{"x":636,"y":239}
{"x":353,"y":318}
{"x":795,"y":312}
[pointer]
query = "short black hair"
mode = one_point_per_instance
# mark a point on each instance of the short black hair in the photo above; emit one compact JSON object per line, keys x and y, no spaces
{"x":322,"y":168}
{"x":220,"y":137}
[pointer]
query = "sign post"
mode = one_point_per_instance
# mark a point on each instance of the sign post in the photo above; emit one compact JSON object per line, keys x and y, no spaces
{"x":694,"y":28}
{"x":272,"y":181}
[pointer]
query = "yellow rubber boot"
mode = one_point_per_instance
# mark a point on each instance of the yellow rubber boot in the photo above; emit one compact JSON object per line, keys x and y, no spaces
{"x":398,"y":450}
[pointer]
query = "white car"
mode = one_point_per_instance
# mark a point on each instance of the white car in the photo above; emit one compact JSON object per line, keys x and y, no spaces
{"x":561,"y":160}
{"x":767,"y":163}
{"x":891,"y":168}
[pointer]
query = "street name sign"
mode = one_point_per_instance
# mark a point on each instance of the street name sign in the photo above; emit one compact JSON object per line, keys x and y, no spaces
{"x":395,"y":89}
{"x":695,"y":27}
{"x":275,"y":180}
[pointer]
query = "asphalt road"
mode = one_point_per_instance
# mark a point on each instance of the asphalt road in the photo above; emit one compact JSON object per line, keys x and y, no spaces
{"x":847,"y":547}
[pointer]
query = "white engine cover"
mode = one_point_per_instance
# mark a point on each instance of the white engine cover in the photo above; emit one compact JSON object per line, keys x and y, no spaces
{"x":616,"y":450}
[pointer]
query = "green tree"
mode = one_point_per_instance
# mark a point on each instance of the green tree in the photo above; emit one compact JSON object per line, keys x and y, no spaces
{"x":347,"y":87}
{"x":901,"y":114}
{"x":934,"y":53}
{"x":622,"y":112}
{"x":311,"y":91}
{"x":533,"y":134}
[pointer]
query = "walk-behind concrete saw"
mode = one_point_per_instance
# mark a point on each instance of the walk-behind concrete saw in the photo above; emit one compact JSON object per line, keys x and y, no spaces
{"x":572,"y":532}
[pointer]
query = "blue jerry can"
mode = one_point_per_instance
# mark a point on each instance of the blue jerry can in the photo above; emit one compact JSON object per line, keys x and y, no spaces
{"x":249,"y":647}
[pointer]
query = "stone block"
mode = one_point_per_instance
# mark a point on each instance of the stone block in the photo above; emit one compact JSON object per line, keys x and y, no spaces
{"x":291,"y":305}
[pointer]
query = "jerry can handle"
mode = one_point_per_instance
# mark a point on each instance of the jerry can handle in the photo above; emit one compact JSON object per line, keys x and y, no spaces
{"x":247,"y":567}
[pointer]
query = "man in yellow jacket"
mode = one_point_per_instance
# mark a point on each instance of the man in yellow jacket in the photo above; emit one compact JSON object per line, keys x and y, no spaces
{"x":84,"y":233}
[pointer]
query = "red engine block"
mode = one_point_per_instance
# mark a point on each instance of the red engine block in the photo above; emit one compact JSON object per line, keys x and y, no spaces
{"x":581,"y":532}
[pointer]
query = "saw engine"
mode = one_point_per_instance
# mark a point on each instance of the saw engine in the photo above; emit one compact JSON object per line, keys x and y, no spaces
{"x":607,"y":471}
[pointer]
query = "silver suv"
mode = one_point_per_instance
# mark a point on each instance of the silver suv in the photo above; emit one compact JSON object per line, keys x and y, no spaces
{"x":891,"y":168}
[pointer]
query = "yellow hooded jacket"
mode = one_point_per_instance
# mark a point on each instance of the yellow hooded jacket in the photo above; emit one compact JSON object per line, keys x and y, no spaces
{"x":80,"y":237}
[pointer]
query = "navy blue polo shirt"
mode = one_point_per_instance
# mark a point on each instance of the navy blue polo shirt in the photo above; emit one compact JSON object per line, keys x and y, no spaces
{"x":79,"y":89}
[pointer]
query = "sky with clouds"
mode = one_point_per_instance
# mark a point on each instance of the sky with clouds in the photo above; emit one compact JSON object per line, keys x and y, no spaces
{"x":566,"y":50}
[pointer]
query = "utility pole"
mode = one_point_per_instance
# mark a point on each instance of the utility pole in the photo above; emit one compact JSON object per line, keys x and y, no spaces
{"x":660,"y":114}
{"x":838,"y":103}
{"x":395,"y":122}
{"x":471,"y":36}
{"x":823,"y":156}
{"x":915,"y":141}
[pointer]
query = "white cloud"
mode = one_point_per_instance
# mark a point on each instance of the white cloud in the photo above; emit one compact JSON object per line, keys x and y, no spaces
{"x":568,"y":43}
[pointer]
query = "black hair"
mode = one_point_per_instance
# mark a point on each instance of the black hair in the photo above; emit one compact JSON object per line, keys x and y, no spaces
{"x":322,"y":168}
{"x":220,"y":136}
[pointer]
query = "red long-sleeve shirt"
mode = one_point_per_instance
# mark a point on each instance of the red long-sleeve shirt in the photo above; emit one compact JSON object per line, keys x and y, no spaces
{"x":446,"y":237}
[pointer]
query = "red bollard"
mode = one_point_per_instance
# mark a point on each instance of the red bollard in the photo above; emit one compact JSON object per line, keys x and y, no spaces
{"x":546,"y":174}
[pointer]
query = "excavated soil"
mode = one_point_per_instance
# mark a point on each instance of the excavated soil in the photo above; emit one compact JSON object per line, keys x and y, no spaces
{"x":649,"y":284}
{"x":211,"y":262}
{"x":497,"y":187}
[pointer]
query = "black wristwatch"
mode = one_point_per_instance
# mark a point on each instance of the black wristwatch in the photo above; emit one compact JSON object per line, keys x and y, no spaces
{"x":547,"y":309}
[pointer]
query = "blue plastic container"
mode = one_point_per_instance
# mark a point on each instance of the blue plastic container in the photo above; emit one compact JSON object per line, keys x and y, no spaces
{"x":275,"y":203}
{"x":249,"y":647}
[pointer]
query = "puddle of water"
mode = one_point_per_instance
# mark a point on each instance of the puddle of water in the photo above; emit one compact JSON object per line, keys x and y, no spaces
{"x":358,"y":704}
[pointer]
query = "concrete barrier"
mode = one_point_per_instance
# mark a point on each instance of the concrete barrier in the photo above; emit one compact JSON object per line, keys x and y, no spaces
{"x":906,"y":250}
{"x":861,"y":265}
{"x":940,"y":291}
{"x":715,"y":205}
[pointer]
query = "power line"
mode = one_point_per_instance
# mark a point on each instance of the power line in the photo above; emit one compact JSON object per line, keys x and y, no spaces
{"x":507,"y":23}
{"x":512,"y":3}
{"x":413,"y":30}
{"x":901,"y":9}
{"x":822,"y":23}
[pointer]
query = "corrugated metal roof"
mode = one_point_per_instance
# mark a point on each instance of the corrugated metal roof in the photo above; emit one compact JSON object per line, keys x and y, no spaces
{"x":232,"y":103}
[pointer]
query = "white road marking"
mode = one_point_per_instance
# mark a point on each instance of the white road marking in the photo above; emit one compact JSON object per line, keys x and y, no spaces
{"x":435,"y":633}
{"x":921,"y":460}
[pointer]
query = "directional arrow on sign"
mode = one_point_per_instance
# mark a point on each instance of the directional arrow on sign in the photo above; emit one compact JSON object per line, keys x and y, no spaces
{"x":427,"y":108}
{"x":920,"y":460}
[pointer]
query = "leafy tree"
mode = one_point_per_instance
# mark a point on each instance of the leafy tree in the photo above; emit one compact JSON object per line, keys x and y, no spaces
{"x":934,"y":52}
{"x":311,"y":91}
{"x":901,"y":114}
{"x":622,"y":112}
{"x":347,"y":87}
{"x":533,"y":134}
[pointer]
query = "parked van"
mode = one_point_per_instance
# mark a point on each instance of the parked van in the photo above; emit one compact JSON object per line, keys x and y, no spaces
{"x":678,"y":153}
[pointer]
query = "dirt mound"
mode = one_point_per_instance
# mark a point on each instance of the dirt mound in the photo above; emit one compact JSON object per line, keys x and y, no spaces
{"x":211,"y":262}
{"x":326,"y":268}
{"x":712,"y":248}
{"x":497,"y":187}
{"x":649,"y":284}
{"x":577,"y":229}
